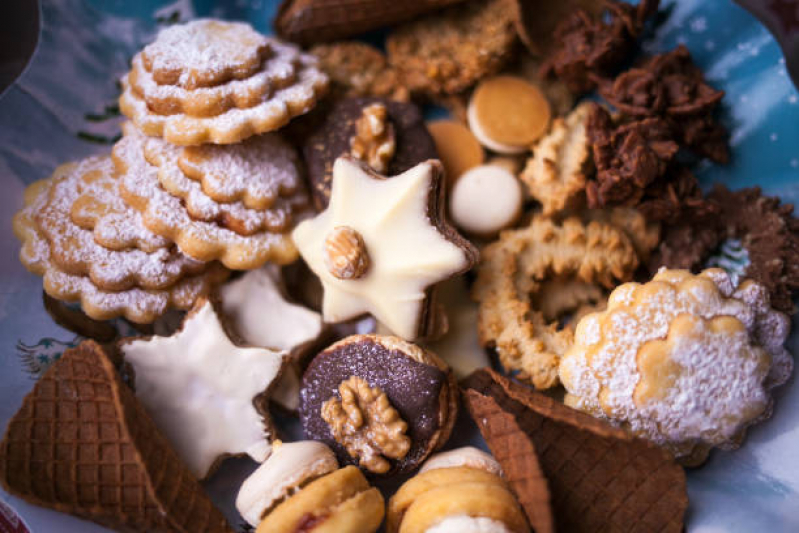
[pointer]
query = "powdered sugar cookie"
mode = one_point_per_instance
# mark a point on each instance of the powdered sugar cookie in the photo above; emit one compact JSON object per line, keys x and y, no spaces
{"x":137,"y":305}
{"x":205,"y":52}
{"x":165,"y":215}
{"x":255,"y":172}
{"x":74,"y":250}
{"x":233,"y":216}
{"x":271,"y":111}
{"x":277,"y":70}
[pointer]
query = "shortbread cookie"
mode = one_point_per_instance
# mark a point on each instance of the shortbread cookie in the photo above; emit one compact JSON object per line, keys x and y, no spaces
{"x":255,"y":172}
{"x":220,"y":417}
{"x":340,"y":502}
{"x":290,"y":467}
{"x":406,"y":396}
{"x":273,"y":111}
{"x":533,"y":277}
{"x":558,"y":171}
{"x":233,"y":216}
{"x":204,"y":53}
{"x":448,"y":52}
{"x":687,"y":361}
{"x":277,"y":70}
{"x":74,"y":250}
{"x":137,"y":305}
{"x":100,"y":208}
{"x":364,"y":246}
{"x":165,"y":215}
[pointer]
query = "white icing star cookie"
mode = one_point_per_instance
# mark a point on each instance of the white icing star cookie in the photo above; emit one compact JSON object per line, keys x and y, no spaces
{"x":199,"y":388}
{"x":382,"y":244}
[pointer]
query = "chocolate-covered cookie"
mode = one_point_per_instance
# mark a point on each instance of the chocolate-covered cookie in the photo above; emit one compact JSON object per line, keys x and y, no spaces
{"x":333,"y":137}
{"x":379,"y":402}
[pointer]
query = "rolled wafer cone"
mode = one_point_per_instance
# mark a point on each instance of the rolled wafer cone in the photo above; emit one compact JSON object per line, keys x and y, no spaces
{"x":312,"y":21}
{"x":82,"y":444}
{"x":599,"y":477}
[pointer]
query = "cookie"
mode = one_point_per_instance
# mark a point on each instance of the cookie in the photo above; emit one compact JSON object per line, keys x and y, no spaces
{"x":232,"y":216}
{"x":686,"y":361}
{"x":533,"y":277}
{"x":73,"y":249}
{"x":256,"y":172}
{"x":226,"y":380}
{"x":290,"y":467}
{"x":557,"y":173}
{"x":137,"y":305}
{"x":277,"y":70}
{"x":165,"y":215}
{"x":82,"y":444}
{"x":358,"y":69}
{"x":362,"y":247}
{"x":508,"y":114}
{"x":466,"y":457}
{"x":444,"y":500}
{"x":340,"y":502}
{"x":406,"y":397}
{"x":333,"y":137}
{"x":450,"y":51}
{"x":457,"y":147}
{"x":228,"y":72}
{"x":485,"y":200}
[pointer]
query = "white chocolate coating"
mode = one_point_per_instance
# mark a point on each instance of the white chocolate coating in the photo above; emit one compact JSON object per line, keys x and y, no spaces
{"x":289,"y":467}
{"x":468,"y":524}
{"x":467,"y":456}
{"x":485,"y":200}
{"x":407,"y":253}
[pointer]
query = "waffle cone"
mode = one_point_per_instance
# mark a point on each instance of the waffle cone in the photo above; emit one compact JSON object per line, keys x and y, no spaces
{"x":312,"y":21}
{"x":82,"y":444}
{"x":599,"y":477}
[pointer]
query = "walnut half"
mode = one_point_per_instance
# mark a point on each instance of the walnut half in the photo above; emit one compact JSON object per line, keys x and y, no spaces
{"x":366,"y":424}
{"x":374,"y":142}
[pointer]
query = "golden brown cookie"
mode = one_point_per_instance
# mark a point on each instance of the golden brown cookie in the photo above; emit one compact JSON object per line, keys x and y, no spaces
{"x":448,"y":52}
{"x":457,"y":147}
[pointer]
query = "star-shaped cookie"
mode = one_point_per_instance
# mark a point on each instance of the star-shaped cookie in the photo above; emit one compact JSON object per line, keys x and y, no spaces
{"x":382,"y":244}
{"x":200,"y":389}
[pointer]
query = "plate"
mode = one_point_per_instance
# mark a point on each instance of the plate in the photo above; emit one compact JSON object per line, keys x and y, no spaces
{"x":63,"y":108}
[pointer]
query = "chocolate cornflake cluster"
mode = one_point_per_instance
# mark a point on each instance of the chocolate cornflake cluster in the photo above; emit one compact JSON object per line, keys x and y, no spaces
{"x":671,"y":87}
{"x":592,"y":48}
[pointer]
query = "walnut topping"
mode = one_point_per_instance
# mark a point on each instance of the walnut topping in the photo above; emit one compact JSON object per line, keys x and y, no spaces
{"x":366,"y":424}
{"x":345,"y":253}
{"x":373,"y":142}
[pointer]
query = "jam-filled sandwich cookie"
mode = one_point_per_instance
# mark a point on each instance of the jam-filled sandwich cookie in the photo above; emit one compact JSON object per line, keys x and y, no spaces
{"x":382,"y":245}
{"x":301,"y":488}
{"x":459,"y":491}
{"x":379,"y":402}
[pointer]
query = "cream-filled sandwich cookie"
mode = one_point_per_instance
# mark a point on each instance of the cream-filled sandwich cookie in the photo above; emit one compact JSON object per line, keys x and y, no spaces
{"x":468,"y":456}
{"x":289,"y":468}
{"x":382,"y":244}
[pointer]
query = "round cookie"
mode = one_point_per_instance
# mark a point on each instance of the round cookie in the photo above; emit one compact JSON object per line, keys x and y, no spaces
{"x":419,"y":391}
{"x":508,"y":114}
{"x":332,"y":137}
{"x":486,"y":200}
{"x":457,"y":147}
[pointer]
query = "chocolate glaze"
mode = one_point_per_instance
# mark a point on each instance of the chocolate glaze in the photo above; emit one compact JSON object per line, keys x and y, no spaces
{"x":413,"y":389}
{"x":331,"y":138}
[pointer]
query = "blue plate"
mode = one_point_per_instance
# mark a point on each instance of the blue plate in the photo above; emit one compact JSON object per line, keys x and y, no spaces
{"x":62,"y":109}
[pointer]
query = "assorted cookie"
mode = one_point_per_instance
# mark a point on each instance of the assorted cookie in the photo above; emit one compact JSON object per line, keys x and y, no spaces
{"x":573,"y":208}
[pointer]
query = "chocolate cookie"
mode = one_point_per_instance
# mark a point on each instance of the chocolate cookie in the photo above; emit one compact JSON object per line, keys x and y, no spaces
{"x":379,"y":402}
{"x":332,"y":138}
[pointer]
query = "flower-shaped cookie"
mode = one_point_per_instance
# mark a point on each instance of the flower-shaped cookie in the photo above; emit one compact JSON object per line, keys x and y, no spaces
{"x":382,"y":244}
{"x":685,"y":360}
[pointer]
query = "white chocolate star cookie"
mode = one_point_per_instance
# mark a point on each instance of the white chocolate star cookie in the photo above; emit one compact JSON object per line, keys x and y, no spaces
{"x":382,"y":244}
{"x":200,"y":388}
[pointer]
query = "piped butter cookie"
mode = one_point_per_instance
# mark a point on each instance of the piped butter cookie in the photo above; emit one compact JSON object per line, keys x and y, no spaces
{"x":166,"y":215}
{"x":403,"y":399}
{"x":137,"y":305}
{"x":366,"y":247}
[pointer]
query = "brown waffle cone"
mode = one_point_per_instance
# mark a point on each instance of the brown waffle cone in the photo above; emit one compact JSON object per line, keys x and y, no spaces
{"x":312,"y":21}
{"x":82,"y":444}
{"x":599,"y":477}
